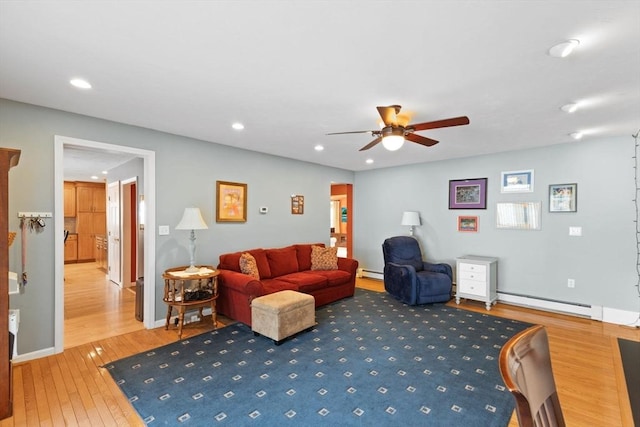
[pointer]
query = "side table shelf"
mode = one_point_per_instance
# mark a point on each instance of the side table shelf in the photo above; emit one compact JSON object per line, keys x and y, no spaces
{"x":186,"y":291}
{"x":477,"y":279}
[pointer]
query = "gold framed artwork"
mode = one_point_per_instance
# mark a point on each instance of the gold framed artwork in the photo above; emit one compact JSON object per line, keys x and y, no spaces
{"x":297,"y":204}
{"x":231,"y":202}
{"x":468,"y":224}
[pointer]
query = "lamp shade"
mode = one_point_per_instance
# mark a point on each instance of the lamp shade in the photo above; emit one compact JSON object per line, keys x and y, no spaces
{"x":393,"y":142}
{"x":191,"y":220}
{"x":410,"y":218}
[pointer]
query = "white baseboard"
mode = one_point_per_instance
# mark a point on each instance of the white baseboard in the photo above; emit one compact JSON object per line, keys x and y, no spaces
{"x":33,"y":355}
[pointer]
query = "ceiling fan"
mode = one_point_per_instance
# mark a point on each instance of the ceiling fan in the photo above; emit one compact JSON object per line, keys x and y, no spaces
{"x":396,"y":129}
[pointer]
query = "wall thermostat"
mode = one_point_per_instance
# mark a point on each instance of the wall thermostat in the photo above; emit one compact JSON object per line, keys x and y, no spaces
{"x":264,"y":209}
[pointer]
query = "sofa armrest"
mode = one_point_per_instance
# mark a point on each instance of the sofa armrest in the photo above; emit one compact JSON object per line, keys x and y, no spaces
{"x":439,"y":268}
{"x":240,"y":282}
{"x":348,"y":264}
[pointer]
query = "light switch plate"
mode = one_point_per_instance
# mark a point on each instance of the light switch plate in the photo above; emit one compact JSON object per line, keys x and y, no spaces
{"x":163,"y":230}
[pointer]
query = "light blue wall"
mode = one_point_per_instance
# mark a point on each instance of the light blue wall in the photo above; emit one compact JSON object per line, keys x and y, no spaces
{"x":534,"y":263}
{"x":186,"y":173}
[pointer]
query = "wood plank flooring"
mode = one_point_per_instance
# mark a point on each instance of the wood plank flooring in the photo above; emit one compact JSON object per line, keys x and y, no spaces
{"x":95,"y":307}
{"x":71,"y":389}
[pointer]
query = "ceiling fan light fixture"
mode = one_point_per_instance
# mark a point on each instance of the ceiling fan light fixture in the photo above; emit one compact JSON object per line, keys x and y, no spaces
{"x":564,"y":49}
{"x":393,"y":142}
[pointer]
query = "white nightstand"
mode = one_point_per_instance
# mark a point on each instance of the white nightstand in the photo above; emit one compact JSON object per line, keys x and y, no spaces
{"x":477,"y":279}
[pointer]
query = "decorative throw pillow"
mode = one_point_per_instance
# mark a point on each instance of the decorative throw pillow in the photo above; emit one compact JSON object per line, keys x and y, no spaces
{"x":324,"y":258}
{"x":249,"y":266}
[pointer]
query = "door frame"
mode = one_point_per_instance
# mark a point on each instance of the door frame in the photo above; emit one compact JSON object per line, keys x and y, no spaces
{"x":149,"y":162}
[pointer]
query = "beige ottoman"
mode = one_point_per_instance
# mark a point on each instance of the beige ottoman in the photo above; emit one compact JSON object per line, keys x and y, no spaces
{"x":282,"y":314}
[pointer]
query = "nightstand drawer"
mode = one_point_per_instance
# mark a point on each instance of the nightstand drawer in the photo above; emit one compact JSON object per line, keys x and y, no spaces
{"x":472,"y":275}
{"x":472,"y":287}
{"x":473,"y":268}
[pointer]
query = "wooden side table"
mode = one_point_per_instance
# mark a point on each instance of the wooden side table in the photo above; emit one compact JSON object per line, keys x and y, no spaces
{"x":186,"y":291}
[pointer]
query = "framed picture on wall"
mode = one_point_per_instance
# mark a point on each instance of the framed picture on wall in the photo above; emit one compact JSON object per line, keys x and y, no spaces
{"x":231,"y":202}
{"x":297,"y":205}
{"x":517,"y":181}
{"x":468,"y":193}
{"x":468,"y":224}
{"x":563,"y":198}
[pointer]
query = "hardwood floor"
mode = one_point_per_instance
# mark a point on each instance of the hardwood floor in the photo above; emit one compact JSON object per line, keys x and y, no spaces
{"x":70,"y":388}
{"x":94,"y":307}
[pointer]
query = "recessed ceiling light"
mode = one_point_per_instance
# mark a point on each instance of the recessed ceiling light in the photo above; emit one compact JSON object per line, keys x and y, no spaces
{"x":237,"y":126}
{"x":318,"y":147}
{"x":94,"y":177}
{"x":563,"y":49}
{"x":80,"y":83}
{"x":369,"y":161}
{"x":569,"y":108}
{"x":105,"y":172}
{"x":576,"y":135}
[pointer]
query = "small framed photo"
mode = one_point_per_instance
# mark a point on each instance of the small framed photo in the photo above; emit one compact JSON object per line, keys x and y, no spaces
{"x":231,"y":202}
{"x":297,"y":205}
{"x":563,"y":198}
{"x":468,"y":193}
{"x":517,"y":181}
{"x":468,"y":223}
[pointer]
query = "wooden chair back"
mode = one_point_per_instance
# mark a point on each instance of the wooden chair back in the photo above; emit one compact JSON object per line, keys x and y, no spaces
{"x":525,"y":365}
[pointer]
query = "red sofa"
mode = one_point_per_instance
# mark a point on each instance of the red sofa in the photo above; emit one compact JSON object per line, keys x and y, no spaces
{"x":280,"y":269}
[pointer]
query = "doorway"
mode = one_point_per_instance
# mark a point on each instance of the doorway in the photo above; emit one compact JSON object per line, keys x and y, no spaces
{"x":341,"y":222}
{"x":149,"y":239}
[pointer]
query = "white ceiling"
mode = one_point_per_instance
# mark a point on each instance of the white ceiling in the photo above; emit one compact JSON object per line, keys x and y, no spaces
{"x":292,"y":71}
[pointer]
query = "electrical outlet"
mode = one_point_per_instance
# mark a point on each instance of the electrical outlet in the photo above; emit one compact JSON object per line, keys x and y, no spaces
{"x":575,"y":231}
{"x":194,"y":318}
{"x":571,"y":283}
{"x":163,"y":230}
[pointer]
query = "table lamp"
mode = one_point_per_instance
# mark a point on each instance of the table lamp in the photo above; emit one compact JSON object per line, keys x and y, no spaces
{"x":411,"y":218}
{"x":192,"y":220}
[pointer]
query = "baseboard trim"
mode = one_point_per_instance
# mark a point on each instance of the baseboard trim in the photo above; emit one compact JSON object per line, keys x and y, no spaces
{"x":187,"y":318}
{"x":33,"y":355}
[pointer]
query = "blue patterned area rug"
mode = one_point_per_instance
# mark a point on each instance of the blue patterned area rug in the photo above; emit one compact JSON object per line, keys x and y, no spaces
{"x":371,"y":360}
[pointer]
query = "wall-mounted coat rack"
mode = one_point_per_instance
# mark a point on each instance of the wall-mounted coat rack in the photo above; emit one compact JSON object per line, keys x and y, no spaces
{"x":35,"y":215}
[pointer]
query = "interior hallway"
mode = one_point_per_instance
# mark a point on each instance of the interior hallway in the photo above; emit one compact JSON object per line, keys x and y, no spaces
{"x":94,"y":307}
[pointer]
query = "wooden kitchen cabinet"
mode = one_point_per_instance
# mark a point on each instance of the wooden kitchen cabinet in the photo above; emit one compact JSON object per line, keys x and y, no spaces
{"x":91,"y":218}
{"x":71,"y":248}
{"x":69,"y":199}
{"x":90,"y":197}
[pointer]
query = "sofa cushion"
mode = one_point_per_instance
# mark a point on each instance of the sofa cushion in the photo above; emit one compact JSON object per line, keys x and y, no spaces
{"x":324,"y":258}
{"x":249,"y":266}
{"x":274,"y":285}
{"x":334,"y":277}
{"x":282,"y":261}
{"x":306,"y":281}
{"x":232,"y":262}
{"x":304,"y":255}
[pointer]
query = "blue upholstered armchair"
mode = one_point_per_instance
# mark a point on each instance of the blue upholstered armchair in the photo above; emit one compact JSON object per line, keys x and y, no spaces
{"x":410,"y":279}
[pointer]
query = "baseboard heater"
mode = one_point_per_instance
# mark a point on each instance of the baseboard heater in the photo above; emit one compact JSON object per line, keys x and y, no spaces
{"x":593,"y":312}
{"x":370,"y":274}
{"x":584,"y":310}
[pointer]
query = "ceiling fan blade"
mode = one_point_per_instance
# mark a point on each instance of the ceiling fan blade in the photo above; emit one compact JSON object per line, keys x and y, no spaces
{"x":422,"y":140}
{"x":371,"y":144}
{"x":388,"y":114}
{"x":456,"y":121}
{"x":354,"y":131}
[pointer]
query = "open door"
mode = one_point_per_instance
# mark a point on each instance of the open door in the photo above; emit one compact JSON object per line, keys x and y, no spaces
{"x":113,"y":233}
